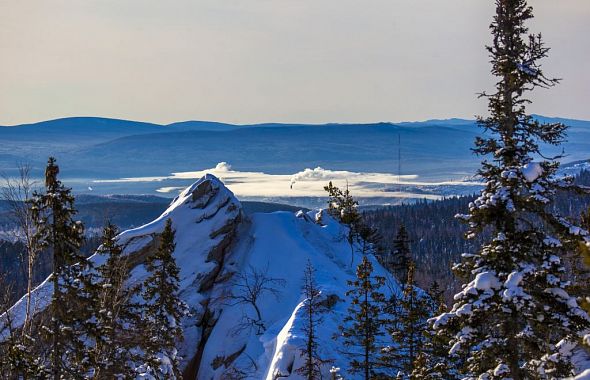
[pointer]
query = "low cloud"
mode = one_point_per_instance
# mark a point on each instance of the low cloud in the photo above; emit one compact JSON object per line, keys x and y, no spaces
{"x":308,"y":183}
{"x":321,"y":174}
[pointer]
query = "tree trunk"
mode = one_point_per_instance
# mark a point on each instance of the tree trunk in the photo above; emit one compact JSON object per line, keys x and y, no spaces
{"x":367,"y":337}
{"x":29,"y":291}
{"x":54,"y":313}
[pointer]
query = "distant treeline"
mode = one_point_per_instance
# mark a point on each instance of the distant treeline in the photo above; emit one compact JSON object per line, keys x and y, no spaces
{"x":437,"y":239}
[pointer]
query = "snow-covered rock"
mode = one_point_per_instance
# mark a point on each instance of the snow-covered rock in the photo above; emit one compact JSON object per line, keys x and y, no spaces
{"x":215,"y":245}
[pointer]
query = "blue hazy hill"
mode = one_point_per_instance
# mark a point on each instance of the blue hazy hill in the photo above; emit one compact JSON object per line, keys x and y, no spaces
{"x":89,"y":147}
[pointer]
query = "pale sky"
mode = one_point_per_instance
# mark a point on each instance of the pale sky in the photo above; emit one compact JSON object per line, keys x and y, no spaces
{"x":248,"y":61}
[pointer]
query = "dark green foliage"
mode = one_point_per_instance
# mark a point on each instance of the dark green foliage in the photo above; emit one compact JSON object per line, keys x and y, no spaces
{"x":92,"y":328}
{"x":437,"y":298}
{"x":118,"y":317}
{"x":362,"y":327}
{"x":344,"y":208}
{"x":434,"y":362}
{"x":401,"y":256}
{"x":369,"y":239}
{"x":438,"y":237}
{"x":163,"y":310}
{"x":406,"y":325}
{"x":73,"y":294}
{"x":342,"y":205}
{"x":508,"y":321}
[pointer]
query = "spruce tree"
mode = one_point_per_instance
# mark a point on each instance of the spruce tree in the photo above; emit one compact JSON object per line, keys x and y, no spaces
{"x":18,"y":359}
{"x":362,"y":327}
{"x":407,"y":325}
{"x":73,"y":294}
{"x":344,"y":208}
{"x":515,"y":319}
{"x":433,"y":361}
{"x":437,"y":297}
{"x":163,"y":309}
{"x":118,"y":315}
{"x":401,"y":256}
{"x":312,"y":310}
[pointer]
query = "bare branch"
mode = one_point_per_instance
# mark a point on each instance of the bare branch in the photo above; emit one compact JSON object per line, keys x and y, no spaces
{"x":248,"y":287}
{"x":16,"y":192}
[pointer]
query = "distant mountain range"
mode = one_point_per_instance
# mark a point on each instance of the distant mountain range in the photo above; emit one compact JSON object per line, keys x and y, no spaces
{"x":90,"y":148}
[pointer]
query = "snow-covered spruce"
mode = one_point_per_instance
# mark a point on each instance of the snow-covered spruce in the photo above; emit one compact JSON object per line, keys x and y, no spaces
{"x":515,"y":318}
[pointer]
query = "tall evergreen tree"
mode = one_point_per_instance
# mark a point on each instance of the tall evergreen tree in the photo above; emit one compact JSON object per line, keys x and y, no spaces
{"x":437,"y":297}
{"x":72,"y":299}
{"x":369,"y":240}
{"x":344,"y":208}
{"x":516,"y":319}
{"x":312,"y":309}
{"x":401,"y":256}
{"x":406,"y":326}
{"x":163,"y":310}
{"x":362,"y":327}
{"x":118,"y":315}
{"x":433,"y":361}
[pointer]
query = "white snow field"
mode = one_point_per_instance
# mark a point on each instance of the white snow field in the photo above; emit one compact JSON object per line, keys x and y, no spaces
{"x":214,"y":241}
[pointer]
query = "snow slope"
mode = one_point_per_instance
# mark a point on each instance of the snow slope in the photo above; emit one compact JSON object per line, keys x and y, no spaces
{"x":281,"y":244}
{"x":215,"y":243}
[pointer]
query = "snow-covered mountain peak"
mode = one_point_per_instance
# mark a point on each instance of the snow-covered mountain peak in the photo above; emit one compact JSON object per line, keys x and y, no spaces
{"x":218,"y":251}
{"x":200,"y":202}
{"x":204,"y":216}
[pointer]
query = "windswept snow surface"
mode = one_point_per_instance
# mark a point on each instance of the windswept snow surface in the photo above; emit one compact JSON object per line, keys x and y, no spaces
{"x":214,"y":243}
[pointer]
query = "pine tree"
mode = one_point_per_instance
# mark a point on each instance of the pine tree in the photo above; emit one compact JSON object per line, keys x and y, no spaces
{"x":433,"y":361}
{"x":437,"y":298}
{"x":117,"y":317}
{"x":312,"y":309}
{"x":407,"y":325}
{"x":362,"y":327}
{"x":344,"y":208}
{"x":369,"y":239}
{"x":515,"y":319}
{"x":72,"y":299}
{"x":401,"y":256}
{"x":163,"y":310}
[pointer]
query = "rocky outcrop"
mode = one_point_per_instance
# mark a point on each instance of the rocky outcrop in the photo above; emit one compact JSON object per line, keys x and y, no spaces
{"x":206,"y":217}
